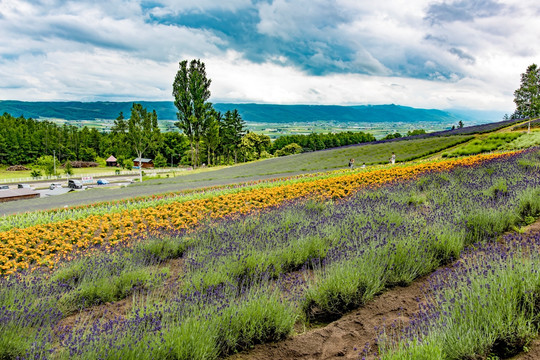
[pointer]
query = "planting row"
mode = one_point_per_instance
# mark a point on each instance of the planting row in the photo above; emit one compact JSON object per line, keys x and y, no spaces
{"x":250,"y":278}
{"x":484,"y":307}
{"x":42,"y":244}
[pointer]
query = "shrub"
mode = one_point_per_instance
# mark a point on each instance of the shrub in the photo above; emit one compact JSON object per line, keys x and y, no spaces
{"x":290,"y":149}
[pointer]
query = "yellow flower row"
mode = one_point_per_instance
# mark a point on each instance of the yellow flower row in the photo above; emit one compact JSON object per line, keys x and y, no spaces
{"x":44,"y":244}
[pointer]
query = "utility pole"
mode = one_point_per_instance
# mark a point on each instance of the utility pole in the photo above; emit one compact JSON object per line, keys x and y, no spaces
{"x":54,"y":161}
{"x":530,"y":114}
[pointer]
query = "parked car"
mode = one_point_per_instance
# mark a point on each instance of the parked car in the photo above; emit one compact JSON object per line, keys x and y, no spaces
{"x":102,"y":182}
{"x":4,"y":187}
{"x":54,"y":186}
{"x":23,"y":186}
{"x":75,"y":184}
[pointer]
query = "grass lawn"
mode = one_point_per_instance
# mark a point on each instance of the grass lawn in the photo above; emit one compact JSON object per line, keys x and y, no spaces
{"x":77,"y":172}
{"x":4,"y":174}
{"x":331,"y":159}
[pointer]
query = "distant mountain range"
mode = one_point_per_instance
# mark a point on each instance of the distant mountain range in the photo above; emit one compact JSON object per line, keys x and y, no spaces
{"x":268,"y":113}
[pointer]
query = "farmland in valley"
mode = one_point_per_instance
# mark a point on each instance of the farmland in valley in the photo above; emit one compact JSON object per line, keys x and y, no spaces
{"x":260,"y":252}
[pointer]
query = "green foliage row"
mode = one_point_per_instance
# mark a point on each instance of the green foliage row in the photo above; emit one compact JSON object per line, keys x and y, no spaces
{"x":23,"y":141}
{"x":486,"y":144}
{"x":315,"y":141}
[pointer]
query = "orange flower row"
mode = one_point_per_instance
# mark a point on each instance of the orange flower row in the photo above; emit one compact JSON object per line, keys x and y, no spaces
{"x":43,"y":245}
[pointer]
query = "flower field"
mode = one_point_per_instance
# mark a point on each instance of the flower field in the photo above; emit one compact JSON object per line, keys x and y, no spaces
{"x":41,"y":244}
{"x":253,"y":262}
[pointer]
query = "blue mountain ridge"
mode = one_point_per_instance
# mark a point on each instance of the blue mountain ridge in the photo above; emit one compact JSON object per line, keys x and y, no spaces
{"x":268,"y":113}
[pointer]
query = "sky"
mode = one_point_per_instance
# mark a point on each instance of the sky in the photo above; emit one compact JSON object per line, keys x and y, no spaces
{"x":449,"y":54}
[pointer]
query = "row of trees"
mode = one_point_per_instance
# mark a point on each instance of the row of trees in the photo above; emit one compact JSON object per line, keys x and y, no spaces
{"x":23,"y":141}
{"x":316,"y":141}
{"x":225,"y":141}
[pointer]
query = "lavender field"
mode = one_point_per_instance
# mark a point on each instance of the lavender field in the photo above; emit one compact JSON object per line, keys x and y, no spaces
{"x":250,"y":279}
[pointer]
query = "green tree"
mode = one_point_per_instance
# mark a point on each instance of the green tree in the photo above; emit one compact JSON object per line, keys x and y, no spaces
{"x":88,"y":154}
{"x":191,"y":91}
{"x":527,"y":97}
{"x":392,"y":136}
{"x":68,"y":168}
{"x":46,"y":162}
{"x":253,"y":143}
{"x":211,"y":134}
{"x":143,"y":131}
{"x":416,"y":132}
{"x":289,"y":149}
{"x":175,"y":145}
{"x":160,"y":161}
{"x":232,"y":129}
{"x":119,"y":138}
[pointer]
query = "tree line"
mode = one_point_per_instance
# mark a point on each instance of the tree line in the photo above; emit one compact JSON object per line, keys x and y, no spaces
{"x":30,"y":141}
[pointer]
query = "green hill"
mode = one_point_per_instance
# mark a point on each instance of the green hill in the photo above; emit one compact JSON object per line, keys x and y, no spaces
{"x":257,"y":113}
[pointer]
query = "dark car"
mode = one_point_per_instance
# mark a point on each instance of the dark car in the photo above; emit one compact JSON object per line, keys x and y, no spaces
{"x":75,"y":184}
{"x":102,"y":182}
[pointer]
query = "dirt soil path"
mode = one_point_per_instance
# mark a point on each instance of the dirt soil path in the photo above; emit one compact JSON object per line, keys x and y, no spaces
{"x":349,"y":336}
{"x":354,"y":336}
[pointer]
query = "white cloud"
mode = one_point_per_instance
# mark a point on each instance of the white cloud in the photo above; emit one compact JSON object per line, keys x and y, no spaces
{"x":363,"y":52}
{"x":237,"y":80}
{"x":176,"y":7}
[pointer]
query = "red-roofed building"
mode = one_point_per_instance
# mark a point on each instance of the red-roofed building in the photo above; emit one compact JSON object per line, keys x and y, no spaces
{"x":111,"y":161}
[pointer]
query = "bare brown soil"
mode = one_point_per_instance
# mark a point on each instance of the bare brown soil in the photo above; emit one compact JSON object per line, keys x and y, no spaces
{"x":354,"y":336}
{"x":347,"y":337}
{"x":109,"y":311}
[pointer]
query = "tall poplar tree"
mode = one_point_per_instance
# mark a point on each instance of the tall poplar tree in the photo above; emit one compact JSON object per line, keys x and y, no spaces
{"x":191,"y":91}
{"x":527,"y":97}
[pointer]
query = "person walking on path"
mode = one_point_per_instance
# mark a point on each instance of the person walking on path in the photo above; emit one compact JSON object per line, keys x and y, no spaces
{"x":393,"y":159}
{"x":351,"y":163}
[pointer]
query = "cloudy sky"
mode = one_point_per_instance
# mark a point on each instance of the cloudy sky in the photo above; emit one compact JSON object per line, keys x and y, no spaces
{"x":422,"y":53}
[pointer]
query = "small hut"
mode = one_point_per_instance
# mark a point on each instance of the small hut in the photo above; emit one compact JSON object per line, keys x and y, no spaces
{"x":111,"y":161}
{"x":143,"y":163}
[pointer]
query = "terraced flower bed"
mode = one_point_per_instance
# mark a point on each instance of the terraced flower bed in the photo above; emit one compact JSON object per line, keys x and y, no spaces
{"x":42,"y":244}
